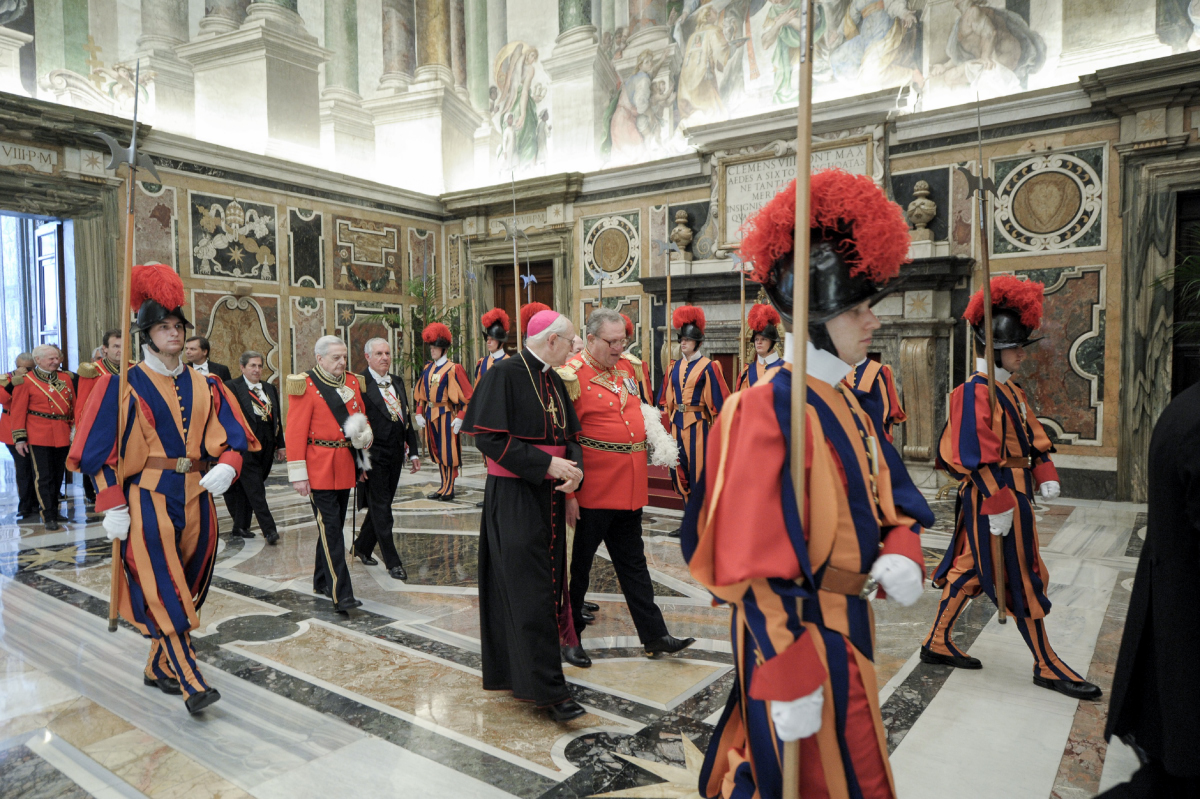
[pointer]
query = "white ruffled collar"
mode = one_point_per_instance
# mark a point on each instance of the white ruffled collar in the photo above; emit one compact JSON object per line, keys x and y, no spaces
{"x":155,"y":364}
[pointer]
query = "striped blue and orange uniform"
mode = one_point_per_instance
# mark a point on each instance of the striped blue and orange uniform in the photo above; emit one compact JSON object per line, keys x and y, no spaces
{"x":999,"y":462}
{"x":485,"y":363}
{"x":757,"y":371}
{"x":172,"y":543}
{"x":693,"y":393}
{"x":792,"y":633}
{"x":441,"y":396}
{"x":876,"y":380}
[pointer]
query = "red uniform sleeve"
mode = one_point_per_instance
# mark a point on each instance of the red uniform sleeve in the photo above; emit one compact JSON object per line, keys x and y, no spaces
{"x":299,"y":417}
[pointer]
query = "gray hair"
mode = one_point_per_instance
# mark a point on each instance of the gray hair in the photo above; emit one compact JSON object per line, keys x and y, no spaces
{"x":371,"y":343}
{"x":96,"y":353}
{"x":44,"y":349}
{"x":24,"y":357}
{"x":601,"y":317}
{"x":248,"y":355}
{"x":321,"y":348}
{"x":559,"y":326}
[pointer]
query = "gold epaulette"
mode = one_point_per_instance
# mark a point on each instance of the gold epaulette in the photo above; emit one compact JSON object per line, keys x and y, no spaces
{"x":570,"y":380}
{"x":89,"y":371}
{"x":296,"y":384}
{"x":17,"y":379}
{"x":633,"y":359}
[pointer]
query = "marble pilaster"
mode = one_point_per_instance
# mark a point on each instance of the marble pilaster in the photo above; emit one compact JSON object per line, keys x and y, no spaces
{"x":477,"y":53}
{"x":264,"y":76}
{"x":11,"y":42}
{"x":582,"y":81}
{"x":347,"y":132}
{"x":647,"y":25}
{"x":222,"y":16}
{"x":399,"y":45}
{"x":497,"y":35}
{"x":172,"y":87}
{"x":608,"y":16}
{"x":458,"y":47}
{"x":433,"y":41}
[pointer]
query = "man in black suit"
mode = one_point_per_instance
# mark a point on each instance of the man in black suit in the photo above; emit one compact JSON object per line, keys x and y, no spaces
{"x":395,"y":439}
{"x":260,"y":406}
{"x":1155,"y":695}
{"x":195,"y":349}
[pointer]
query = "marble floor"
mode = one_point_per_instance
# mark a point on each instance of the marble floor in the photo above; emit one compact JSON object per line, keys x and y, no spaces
{"x":387,"y":700}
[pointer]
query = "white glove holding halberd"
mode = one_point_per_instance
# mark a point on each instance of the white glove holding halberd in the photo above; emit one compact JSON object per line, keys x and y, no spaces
{"x":1001,"y":523}
{"x":116,"y":523}
{"x":219,"y":479}
{"x":799,"y":718}
{"x":900,"y":577}
{"x":1050,"y":489}
{"x":455,"y":426}
{"x":419,"y":421}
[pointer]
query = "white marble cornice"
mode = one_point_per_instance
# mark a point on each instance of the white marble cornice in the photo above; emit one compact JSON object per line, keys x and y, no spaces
{"x":1040,"y":104}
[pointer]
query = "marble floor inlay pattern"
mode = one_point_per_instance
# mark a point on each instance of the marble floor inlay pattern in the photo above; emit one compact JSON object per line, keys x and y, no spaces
{"x":387,"y":700}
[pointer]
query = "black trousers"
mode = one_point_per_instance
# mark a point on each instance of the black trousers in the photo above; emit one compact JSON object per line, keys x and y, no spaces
{"x":26,"y":490}
{"x":621,"y":532}
{"x":248,"y":494}
{"x":377,"y":524}
{"x":1152,"y":781}
{"x":331,"y":576}
{"x":49,"y":467}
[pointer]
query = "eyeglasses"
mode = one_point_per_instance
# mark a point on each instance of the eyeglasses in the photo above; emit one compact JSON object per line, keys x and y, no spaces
{"x":616,"y":343}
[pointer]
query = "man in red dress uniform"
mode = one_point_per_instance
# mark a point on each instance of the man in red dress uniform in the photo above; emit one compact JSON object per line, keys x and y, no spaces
{"x":9,"y":383}
{"x":43,"y":414}
{"x":327,"y":438}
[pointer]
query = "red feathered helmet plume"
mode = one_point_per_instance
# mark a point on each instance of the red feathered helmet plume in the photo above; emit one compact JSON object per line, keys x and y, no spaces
{"x":495,"y":324}
{"x":764,"y":321}
{"x":628,"y":326}
{"x":156,"y":293}
{"x":436,"y":335}
{"x":529,"y":311}
{"x":689,"y":321}
{"x":1016,"y":312}
{"x":858,"y":241}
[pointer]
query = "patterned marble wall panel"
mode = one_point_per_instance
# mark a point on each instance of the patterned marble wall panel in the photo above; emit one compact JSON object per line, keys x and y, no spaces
{"x":155,"y":238}
{"x":659,"y":230}
{"x":612,"y":250}
{"x":365,"y":255}
{"x":938,"y":180}
{"x":232,"y":238}
{"x":962,"y":214}
{"x":422,"y":254}
{"x":1065,"y":371}
{"x":359,"y":322}
{"x":1050,"y":202}
{"x":453,"y":288}
{"x":306,"y":247}
{"x":307,"y":325}
{"x":630,"y":306}
{"x":236,"y":324}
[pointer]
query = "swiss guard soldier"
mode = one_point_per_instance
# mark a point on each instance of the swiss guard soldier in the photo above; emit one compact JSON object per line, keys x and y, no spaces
{"x":327,"y":437}
{"x":1000,"y":464}
{"x":803,"y":629}
{"x":876,"y":380}
{"x":43,"y":413}
{"x":495,"y":330}
{"x":441,"y":395}
{"x":763,"y":321}
{"x":164,"y":514}
{"x":693,"y":393}
{"x":106,"y":363}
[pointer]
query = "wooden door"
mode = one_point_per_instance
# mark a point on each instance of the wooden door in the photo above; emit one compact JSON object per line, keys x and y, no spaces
{"x":505,"y":292}
{"x":50,"y":273}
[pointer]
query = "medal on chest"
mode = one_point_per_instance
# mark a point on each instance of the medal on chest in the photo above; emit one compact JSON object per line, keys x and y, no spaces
{"x":346,"y":393}
{"x":631,"y":385}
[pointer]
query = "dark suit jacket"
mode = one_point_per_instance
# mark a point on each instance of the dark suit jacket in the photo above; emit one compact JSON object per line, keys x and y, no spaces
{"x":269,"y":434}
{"x":219,"y":371}
{"x":1155,"y":693}
{"x":390,"y":437}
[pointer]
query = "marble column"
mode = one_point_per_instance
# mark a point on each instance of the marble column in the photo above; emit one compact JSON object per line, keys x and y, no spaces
{"x":399,"y":46}
{"x":257,"y":86}
{"x":458,"y":47}
{"x":347,"y":131}
{"x":647,"y":25}
{"x":477,"y":53}
{"x":433,"y":41}
{"x":497,"y":25}
{"x":582,"y":82}
{"x":608,"y":15}
{"x":222,"y":16}
{"x":172,"y":88}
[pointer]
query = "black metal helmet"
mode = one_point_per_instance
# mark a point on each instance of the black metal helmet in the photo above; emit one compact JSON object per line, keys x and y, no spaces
{"x":495,"y":324}
{"x":1007,"y":331}
{"x":689,"y":321}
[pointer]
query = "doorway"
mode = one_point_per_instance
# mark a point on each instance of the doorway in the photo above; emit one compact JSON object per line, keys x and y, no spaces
{"x":505,"y":290}
{"x":34,"y":283}
{"x":1185,"y":344}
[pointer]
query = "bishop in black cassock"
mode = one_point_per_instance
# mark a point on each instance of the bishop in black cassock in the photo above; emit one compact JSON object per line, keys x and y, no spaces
{"x":523,"y":421}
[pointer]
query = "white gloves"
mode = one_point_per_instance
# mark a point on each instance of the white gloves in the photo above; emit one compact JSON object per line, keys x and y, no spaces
{"x":364,"y":439}
{"x":900,"y":577}
{"x":455,"y":426}
{"x":116,"y":523}
{"x":1050,"y":489}
{"x":799,"y":718}
{"x":1001,"y":523}
{"x":219,"y":479}
{"x":419,"y":421}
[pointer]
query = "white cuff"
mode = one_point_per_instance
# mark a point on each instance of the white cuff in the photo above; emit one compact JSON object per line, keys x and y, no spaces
{"x":297,"y":471}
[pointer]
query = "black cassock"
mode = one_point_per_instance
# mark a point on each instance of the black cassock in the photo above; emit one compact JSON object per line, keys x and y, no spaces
{"x":522,"y":536}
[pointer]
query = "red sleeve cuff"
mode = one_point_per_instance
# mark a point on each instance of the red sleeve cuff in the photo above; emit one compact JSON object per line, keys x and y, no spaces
{"x":1045,"y":473}
{"x":109,"y":498}
{"x":998,"y":503}
{"x":232,"y":458}
{"x":795,"y":672}
{"x":903,"y":541}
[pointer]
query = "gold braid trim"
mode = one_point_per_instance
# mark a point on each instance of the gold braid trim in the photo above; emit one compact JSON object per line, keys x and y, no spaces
{"x":570,"y":381}
{"x":89,"y":371}
{"x":296,"y":385}
{"x":633,"y":359}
